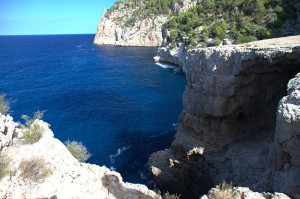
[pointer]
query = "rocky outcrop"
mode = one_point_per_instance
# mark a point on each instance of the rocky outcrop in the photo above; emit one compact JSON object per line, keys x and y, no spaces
{"x":240,"y":193}
{"x":146,"y":32}
{"x":285,"y":152}
{"x":229,"y":120}
{"x":9,"y":131}
{"x":113,"y":30}
{"x":67,"y":178}
{"x":175,"y":57}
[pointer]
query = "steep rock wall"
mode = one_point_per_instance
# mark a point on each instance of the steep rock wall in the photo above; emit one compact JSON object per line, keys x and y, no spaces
{"x":144,"y":32}
{"x":228,"y":120}
{"x":285,"y":151}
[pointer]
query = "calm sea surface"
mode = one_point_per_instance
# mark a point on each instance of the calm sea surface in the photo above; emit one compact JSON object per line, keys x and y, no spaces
{"x":114,"y":100}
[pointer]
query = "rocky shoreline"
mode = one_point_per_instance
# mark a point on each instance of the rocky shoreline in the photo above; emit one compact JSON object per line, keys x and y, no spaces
{"x":228,"y":129}
{"x":231,"y":128}
{"x":67,"y":177}
{"x":112,"y":29}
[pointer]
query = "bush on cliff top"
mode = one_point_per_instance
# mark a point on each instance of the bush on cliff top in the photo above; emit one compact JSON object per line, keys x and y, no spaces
{"x":225,"y":191}
{"x":32,"y":132}
{"x":78,"y":150}
{"x":4,"y":104}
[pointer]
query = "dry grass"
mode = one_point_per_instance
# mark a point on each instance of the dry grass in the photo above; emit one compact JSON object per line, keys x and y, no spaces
{"x":4,"y":161}
{"x":167,"y":195}
{"x":170,"y":196}
{"x":34,"y":169}
{"x":225,"y":191}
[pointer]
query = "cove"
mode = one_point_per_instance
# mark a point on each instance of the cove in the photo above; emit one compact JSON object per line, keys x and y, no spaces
{"x":114,"y":100}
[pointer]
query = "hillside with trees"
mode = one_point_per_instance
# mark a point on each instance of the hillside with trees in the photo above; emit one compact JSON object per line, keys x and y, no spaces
{"x":212,"y":22}
{"x":205,"y":23}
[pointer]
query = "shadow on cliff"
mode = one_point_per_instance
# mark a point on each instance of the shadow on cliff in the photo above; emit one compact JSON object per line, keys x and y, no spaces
{"x":116,"y":187}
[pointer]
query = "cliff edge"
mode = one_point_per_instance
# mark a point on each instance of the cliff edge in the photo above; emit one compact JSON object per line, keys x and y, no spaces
{"x":46,"y":169}
{"x":228,"y":129}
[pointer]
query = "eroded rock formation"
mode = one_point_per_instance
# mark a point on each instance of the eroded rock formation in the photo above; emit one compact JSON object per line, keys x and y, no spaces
{"x":112,"y":29}
{"x":240,"y":193}
{"x":67,"y":178}
{"x":227,"y":126}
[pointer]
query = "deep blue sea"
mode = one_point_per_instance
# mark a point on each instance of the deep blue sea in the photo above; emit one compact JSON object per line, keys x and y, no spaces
{"x":114,"y":100}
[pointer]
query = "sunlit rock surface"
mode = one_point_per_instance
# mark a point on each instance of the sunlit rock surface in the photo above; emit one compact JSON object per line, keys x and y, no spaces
{"x":67,"y":178}
{"x":112,"y":29}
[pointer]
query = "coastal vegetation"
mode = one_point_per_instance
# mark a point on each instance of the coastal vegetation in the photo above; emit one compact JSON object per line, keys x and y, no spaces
{"x":3,"y":166}
{"x":211,"y":22}
{"x":78,"y":150}
{"x":225,"y":191}
{"x":34,"y":169}
{"x":142,"y":9}
{"x":32,"y":132}
{"x":170,"y":196}
{"x":4,"y":104}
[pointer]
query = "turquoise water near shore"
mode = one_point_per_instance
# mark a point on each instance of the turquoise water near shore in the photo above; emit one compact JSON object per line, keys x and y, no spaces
{"x":114,"y":100}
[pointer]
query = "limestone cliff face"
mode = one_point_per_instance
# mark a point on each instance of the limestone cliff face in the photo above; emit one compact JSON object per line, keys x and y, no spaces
{"x":228,"y":129}
{"x":112,"y":29}
{"x":67,"y":178}
{"x":285,"y":153}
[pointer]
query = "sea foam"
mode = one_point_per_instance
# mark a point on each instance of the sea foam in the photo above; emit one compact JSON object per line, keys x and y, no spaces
{"x":175,"y":69}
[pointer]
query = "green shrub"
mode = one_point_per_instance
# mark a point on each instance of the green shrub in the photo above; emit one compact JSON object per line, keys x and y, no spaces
{"x":3,"y":166}
{"x":4,"y":104}
{"x":32,"y":132}
{"x":34,"y":169}
{"x":248,"y":20}
{"x":78,"y":150}
{"x":264,"y":33}
{"x":29,"y":120}
{"x":216,"y":42}
{"x":244,"y":39}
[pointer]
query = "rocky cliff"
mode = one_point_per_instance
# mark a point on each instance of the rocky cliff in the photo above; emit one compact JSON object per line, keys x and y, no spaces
{"x":46,"y":169}
{"x":119,"y":27}
{"x":62,"y":177}
{"x":228,"y":129}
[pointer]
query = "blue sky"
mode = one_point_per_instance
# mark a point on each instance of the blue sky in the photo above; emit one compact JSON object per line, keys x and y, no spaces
{"x":31,"y":17}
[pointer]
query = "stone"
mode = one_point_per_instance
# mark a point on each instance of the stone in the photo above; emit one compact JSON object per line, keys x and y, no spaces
{"x":68,"y":177}
{"x":229,"y":116}
{"x":241,"y":192}
{"x":286,"y":146}
{"x":145,"y":32}
{"x":8,"y":131}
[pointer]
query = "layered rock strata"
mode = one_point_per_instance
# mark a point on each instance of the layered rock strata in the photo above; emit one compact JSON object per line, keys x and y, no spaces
{"x":227,"y":126}
{"x":112,"y":29}
{"x":66,"y":177}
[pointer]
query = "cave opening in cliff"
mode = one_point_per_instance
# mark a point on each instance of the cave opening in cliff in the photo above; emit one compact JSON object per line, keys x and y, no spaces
{"x":265,"y":84}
